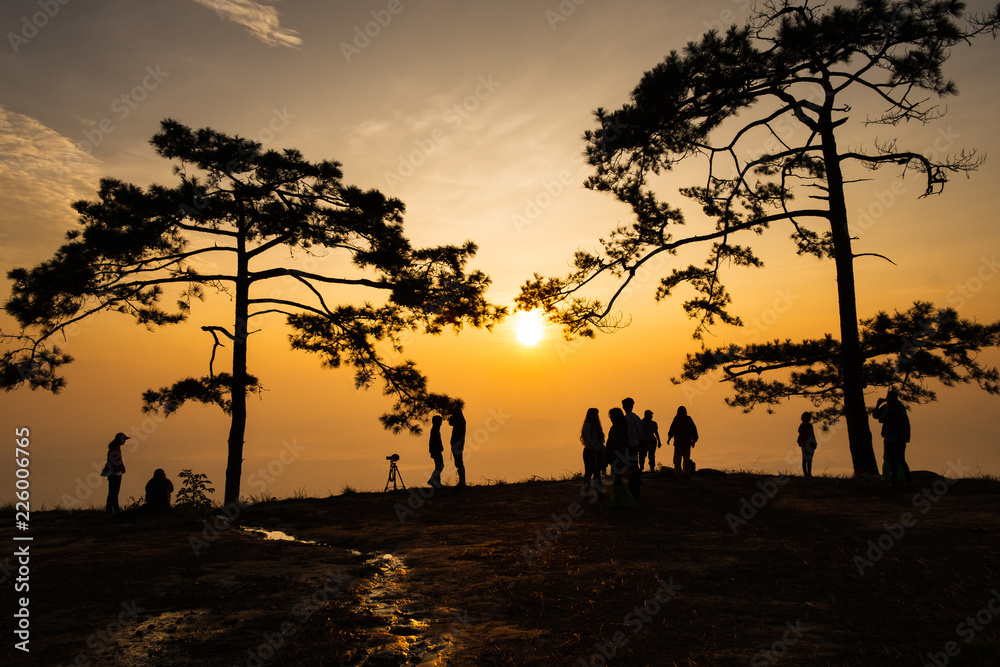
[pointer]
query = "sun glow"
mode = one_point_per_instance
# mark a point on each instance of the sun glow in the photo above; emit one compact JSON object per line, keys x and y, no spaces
{"x":528,"y":327}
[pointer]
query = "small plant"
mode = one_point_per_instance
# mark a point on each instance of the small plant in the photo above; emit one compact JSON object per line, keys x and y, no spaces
{"x":194,"y":490}
{"x":132,"y":503}
{"x":348,"y":490}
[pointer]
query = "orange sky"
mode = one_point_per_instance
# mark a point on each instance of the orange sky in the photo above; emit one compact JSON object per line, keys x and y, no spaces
{"x":472,"y":114}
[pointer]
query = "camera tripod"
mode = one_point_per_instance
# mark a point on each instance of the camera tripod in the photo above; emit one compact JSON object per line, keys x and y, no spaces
{"x":393,"y":477}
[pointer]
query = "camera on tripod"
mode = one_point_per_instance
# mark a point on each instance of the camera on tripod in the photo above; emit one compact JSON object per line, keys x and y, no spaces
{"x":394,"y":477}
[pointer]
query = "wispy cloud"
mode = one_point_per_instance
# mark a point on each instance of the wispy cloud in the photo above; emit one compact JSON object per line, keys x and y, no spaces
{"x":41,"y":173}
{"x":261,"y":21}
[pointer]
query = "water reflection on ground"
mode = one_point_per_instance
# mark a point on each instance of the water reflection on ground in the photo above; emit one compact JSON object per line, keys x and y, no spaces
{"x":402,"y":635}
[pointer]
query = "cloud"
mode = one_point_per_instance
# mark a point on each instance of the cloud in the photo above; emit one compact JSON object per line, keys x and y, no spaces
{"x":41,"y":173}
{"x":261,"y":21}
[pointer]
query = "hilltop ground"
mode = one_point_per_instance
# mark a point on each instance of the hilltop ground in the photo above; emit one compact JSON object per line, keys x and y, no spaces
{"x":730,"y":569}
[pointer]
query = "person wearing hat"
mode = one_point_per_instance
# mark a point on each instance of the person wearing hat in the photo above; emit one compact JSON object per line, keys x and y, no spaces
{"x":891,"y":412}
{"x":649,"y":441}
{"x":114,"y":468}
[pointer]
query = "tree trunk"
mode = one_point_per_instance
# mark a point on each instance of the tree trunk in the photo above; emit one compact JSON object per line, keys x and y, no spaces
{"x":859,"y":434}
{"x":238,"y":390}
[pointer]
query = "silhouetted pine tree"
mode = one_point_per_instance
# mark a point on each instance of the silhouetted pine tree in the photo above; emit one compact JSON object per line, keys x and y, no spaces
{"x":244,"y":211}
{"x":761,"y":107}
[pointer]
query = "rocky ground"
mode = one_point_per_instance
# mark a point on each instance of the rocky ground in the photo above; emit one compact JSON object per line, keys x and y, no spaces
{"x":716,"y":570}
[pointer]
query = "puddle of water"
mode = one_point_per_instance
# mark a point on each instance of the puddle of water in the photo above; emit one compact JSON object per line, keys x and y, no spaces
{"x":405,"y":636}
{"x":275,"y":535}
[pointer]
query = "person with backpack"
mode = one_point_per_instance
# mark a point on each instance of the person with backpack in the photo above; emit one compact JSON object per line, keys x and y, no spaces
{"x":114,"y":468}
{"x":684,"y":433}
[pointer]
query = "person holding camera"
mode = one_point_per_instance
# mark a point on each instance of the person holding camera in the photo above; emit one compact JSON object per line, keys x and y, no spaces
{"x":891,"y":413}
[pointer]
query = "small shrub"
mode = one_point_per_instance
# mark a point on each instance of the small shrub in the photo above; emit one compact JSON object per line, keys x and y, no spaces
{"x":194,"y":490}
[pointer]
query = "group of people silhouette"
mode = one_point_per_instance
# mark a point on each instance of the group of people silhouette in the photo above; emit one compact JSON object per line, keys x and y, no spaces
{"x":158,"y":488}
{"x":629,"y":444}
{"x":891,"y":413}
{"x":457,"y":444}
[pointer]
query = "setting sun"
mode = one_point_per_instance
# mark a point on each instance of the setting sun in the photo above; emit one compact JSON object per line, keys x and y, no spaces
{"x":528,"y":327}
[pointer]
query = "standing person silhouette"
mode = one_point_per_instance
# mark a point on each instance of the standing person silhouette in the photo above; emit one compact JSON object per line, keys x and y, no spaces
{"x":891,"y":412}
{"x":649,"y":442}
{"x":436,"y":448}
{"x":592,"y":437}
{"x":684,"y":433}
{"x":457,"y":423}
{"x":634,"y":439}
{"x":807,"y":441}
{"x":114,"y":468}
